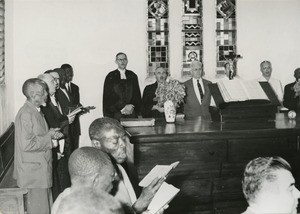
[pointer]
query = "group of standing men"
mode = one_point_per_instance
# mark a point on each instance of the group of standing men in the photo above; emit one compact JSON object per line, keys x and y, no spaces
{"x":122,"y":96}
{"x":44,"y":126}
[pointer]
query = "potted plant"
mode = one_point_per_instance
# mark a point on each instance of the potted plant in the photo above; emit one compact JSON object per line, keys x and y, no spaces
{"x":169,"y":95}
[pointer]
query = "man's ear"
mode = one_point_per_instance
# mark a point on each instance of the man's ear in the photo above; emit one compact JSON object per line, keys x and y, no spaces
{"x":96,"y":180}
{"x":96,"y":143}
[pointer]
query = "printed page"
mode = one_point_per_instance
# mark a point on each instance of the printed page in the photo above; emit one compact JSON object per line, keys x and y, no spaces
{"x":163,"y":196}
{"x":233,"y":90}
{"x":254,"y":90}
{"x":158,"y":170}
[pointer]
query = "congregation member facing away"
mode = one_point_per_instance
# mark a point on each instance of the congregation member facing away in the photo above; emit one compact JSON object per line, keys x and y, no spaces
{"x":33,"y":148}
{"x":89,"y":168}
{"x":89,"y":201}
{"x":73,"y":92}
{"x":55,"y":119}
{"x":121,"y":92}
{"x":291,"y":97}
{"x":108,"y":135}
{"x":198,"y":96}
{"x":149,"y":104}
{"x":269,"y":186}
{"x":266,"y":70}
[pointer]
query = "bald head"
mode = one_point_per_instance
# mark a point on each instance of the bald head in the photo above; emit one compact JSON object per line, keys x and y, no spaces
{"x":90,"y":166}
{"x":50,"y":81}
{"x":88,"y":200}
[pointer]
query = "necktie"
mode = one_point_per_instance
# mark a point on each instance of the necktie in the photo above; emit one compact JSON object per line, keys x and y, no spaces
{"x":200,"y":90}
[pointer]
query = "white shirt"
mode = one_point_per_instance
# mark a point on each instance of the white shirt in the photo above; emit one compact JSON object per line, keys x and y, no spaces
{"x":276,"y":86}
{"x":122,"y":73}
{"x":197,"y":92}
{"x":65,"y":92}
{"x":125,"y":193}
{"x":68,"y":86}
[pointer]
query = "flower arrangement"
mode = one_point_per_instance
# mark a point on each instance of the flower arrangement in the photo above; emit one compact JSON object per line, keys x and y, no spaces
{"x":296,"y":88}
{"x":170,"y":90}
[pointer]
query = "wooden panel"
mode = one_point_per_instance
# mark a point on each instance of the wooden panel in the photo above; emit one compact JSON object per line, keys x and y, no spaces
{"x":247,"y":149}
{"x":212,"y":159}
{"x":6,"y":150}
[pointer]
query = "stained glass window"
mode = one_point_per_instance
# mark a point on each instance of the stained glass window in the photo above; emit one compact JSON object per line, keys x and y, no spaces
{"x":192,"y":26}
{"x":158,"y":32}
{"x":225,"y":33}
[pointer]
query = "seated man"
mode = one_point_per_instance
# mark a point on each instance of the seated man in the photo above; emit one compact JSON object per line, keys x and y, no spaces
{"x":291,"y":99}
{"x":149,"y":105}
{"x":198,"y":96}
{"x":88,"y":167}
{"x":269,"y":186}
{"x":89,"y":200}
{"x":266,"y":70}
{"x":108,"y":135}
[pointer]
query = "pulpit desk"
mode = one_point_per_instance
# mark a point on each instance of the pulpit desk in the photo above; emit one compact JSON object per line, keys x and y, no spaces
{"x":212,"y":158}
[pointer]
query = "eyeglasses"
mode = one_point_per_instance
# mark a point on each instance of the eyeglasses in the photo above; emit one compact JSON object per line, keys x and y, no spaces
{"x":122,"y":60}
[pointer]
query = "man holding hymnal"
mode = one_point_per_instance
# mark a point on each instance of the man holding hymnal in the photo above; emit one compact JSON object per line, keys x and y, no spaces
{"x":108,"y":135}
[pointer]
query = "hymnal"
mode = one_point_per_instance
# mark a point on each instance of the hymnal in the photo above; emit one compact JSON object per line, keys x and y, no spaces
{"x":163,"y":196}
{"x":158,"y":170}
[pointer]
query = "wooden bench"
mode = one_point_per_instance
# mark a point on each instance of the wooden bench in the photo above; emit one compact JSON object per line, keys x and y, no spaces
{"x":12,"y":198}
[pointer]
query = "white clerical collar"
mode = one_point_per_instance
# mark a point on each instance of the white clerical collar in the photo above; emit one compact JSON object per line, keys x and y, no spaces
{"x":122,"y":73}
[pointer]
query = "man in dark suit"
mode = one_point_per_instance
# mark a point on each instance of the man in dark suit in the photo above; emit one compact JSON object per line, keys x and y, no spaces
{"x":149,"y":104}
{"x":198,"y":96}
{"x":55,"y":119}
{"x":290,"y":99}
{"x":73,"y":91}
{"x":121,"y":92}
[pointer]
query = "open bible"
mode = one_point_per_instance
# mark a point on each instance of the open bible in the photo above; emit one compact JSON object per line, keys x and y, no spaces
{"x":238,"y":90}
{"x":166,"y":192}
{"x":157,"y":171}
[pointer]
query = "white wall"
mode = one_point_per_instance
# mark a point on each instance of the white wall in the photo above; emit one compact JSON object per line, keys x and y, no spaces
{"x":88,"y":33}
{"x":269,"y":30}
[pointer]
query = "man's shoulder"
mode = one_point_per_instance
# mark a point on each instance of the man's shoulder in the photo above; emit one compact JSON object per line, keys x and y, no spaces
{"x":74,"y":85}
{"x":58,"y":200}
{"x":189,"y":81}
{"x":205,"y":81}
{"x":290,"y":84}
{"x":130,"y":73}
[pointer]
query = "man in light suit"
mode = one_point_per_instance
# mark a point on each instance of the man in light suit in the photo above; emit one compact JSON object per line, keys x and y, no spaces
{"x":33,"y":148}
{"x":121,"y":91}
{"x":269,"y":186}
{"x":198,"y":96}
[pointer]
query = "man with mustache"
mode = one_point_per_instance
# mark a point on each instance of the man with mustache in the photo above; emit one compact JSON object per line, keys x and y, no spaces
{"x":149,"y":104}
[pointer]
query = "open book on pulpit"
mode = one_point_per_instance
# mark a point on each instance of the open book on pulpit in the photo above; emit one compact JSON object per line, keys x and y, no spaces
{"x":242,"y":101}
{"x":238,"y":90}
